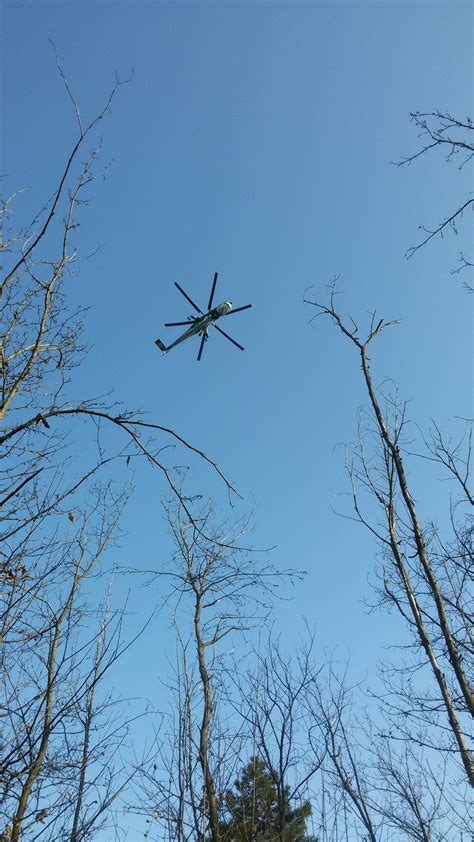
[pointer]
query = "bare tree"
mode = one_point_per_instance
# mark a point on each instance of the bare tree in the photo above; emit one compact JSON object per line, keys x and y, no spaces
{"x":170,"y":788}
{"x":51,"y":669}
{"x":286,"y":731}
{"x":345,"y":783}
{"x":378,"y":783}
{"x":425,"y":579}
{"x":59,"y":515}
{"x":410,"y":795}
{"x":219,"y":593}
{"x":440,"y":130}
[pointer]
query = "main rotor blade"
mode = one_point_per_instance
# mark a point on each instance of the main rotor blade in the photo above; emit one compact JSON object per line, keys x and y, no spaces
{"x":238,"y":309}
{"x":201,"y":347}
{"x":229,"y":338}
{"x":188,"y":298}
{"x":212,"y":292}
{"x":177,"y":324}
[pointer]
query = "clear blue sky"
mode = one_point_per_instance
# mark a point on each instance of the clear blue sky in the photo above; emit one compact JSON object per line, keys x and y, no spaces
{"x":256,"y":140}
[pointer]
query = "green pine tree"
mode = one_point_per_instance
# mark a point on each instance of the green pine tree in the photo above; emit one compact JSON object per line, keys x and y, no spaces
{"x":253,"y":811}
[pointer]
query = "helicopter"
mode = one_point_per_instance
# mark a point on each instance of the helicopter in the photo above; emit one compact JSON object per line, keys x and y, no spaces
{"x":201,"y":324}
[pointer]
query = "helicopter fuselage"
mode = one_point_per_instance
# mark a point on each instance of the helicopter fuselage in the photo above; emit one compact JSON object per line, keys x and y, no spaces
{"x":199,"y":324}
